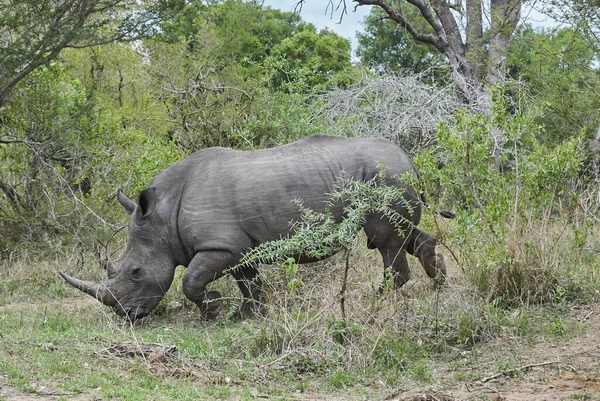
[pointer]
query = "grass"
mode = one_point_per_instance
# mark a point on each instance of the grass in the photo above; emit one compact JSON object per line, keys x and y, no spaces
{"x":51,"y":337}
{"x":40,"y":346}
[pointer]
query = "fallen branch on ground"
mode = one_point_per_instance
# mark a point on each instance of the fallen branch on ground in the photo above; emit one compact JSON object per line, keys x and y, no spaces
{"x":511,"y":371}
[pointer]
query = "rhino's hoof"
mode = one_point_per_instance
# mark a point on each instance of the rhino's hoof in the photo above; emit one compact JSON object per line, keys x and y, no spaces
{"x":211,"y":306}
{"x":252,"y":309}
{"x":439,"y":281}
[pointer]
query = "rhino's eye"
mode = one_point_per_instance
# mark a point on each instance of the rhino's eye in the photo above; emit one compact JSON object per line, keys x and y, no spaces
{"x":136,"y":273}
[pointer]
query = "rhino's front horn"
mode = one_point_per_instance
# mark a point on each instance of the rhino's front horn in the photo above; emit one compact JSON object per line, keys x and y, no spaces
{"x":99,"y":291}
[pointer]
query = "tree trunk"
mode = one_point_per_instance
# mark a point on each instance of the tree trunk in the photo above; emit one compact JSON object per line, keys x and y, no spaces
{"x":474,"y":44}
{"x":504,"y":18}
{"x":13,"y":196}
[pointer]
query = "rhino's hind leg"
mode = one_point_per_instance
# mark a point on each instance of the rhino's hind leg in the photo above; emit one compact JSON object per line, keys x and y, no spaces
{"x":248,"y":279}
{"x":395,"y":258}
{"x":422,"y":245}
{"x":205,"y":268}
{"x":383,"y":237}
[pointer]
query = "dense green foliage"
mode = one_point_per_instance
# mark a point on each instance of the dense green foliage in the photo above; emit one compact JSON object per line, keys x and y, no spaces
{"x":307,"y":62}
{"x":559,"y":70}
{"x":511,"y":217}
{"x":385,"y":47}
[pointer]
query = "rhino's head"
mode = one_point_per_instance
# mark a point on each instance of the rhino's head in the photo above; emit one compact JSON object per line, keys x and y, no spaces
{"x":138,"y":280}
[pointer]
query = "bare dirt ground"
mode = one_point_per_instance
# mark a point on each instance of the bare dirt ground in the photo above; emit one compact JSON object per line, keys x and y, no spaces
{"x":548,"y":370}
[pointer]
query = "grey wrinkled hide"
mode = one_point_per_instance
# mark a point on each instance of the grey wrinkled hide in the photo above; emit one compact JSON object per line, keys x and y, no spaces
{"x":206,"y":211}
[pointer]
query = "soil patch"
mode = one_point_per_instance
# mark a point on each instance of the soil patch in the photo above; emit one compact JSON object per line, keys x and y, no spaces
{"x":550,"y":370}
{"x":64,"y":303}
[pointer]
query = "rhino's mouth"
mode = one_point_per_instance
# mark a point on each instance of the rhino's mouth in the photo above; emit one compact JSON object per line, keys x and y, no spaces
{"x":132,"y":313}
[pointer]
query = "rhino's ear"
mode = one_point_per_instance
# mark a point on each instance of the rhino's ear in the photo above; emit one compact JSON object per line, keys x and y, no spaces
{"x":127,"y":203}
{"x":147,"y":201}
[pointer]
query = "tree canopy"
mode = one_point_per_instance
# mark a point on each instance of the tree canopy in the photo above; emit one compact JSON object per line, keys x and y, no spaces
{"x":560,"y":73}
{"x":385,"y":47}
{"x":33,"y":33}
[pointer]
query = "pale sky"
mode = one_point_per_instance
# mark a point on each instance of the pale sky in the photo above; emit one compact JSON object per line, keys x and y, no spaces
{"x":316,"y":12}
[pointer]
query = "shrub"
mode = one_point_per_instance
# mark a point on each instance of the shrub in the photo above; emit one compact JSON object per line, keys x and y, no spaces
{"x":512,"y":236}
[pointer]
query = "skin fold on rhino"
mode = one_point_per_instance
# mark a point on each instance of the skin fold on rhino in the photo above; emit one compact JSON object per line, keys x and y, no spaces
{"x":206,"y":211}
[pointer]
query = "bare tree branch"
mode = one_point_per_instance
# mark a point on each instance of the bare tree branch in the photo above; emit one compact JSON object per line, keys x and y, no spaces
{"x":465,"y":55}
{"x":399,"y":18}
{"x":13,"y":196}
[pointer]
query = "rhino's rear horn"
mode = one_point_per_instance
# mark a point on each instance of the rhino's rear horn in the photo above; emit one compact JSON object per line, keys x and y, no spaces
{"x":99,"y":291}
{"x":127,"y":203}
{"x":108,"y":266}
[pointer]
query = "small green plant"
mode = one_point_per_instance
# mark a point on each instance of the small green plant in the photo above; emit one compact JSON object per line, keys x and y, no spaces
{"x":341,"y":331}
{"x":421,"y":372}
{"x":291,"y":270}
{"x":388,"y":280}
{"x":318,"y":234}
{"x":340,"y":378}
{"x":582,"y":397}
{"x":507,"y":366}
{"x":558,"y":327}
{"x":398,"y":354}
{"x":560,"y":297}
{"x":468,"y":327}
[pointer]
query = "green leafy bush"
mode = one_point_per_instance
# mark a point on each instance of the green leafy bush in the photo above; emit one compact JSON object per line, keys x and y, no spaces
{"x":509,"y":192}
{"x":63,"y":155}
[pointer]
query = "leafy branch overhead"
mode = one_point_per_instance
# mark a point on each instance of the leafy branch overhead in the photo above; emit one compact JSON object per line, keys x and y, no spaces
{"x":582,"y":14}
{"x":33,"y":33}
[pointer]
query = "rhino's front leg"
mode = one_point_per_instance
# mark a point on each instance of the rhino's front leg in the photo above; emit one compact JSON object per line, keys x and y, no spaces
{"x":205,"y":268}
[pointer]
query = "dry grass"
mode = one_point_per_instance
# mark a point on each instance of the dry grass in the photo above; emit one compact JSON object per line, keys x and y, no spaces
{"x":533,"y":262}
{"x":398,"y":339}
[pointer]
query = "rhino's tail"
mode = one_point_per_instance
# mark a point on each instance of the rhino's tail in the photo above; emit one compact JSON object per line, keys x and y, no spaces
{"x":444,"y":213}
{"x":447,"y":214}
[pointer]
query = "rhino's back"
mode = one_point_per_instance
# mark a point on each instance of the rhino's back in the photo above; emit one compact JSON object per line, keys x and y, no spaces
{"x":234,"y":196}
{"x":321,"y":152}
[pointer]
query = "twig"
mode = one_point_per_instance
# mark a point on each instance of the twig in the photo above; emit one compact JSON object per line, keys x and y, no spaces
{"x":273,"y":362}
{"x":344,"y":285}
{"x":437,"y":304}
{"x":587,"y":316}
{"x":511,"y":371}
